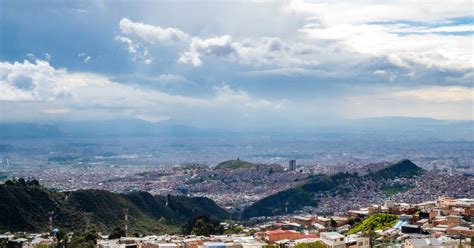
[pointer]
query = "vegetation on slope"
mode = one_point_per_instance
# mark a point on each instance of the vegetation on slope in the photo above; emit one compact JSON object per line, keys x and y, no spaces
{"x":316,"y":244}
{"x":234,"y":164}
{"x":202,"y":225}
{"x":375,"y":222}
{"x":279,"y":203}
{"x":404,"y":168}
{"x":26,"y":207}
{"x":390,"y":190}
{"x":294,"y":199}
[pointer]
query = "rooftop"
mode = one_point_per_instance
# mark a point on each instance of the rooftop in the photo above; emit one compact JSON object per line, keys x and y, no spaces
{"x":332,"y":235}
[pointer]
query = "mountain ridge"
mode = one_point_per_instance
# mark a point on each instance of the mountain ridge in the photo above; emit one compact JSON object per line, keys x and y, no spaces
{"x":27,"y":208}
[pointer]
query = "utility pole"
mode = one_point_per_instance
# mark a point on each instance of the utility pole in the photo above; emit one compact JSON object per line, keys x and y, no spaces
{"x":125,"y":211}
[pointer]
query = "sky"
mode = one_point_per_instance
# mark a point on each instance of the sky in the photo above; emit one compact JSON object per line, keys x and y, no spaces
{"x":235,"y":63}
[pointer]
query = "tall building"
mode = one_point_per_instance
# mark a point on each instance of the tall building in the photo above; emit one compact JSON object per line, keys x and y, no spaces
{"x":292,"y":165}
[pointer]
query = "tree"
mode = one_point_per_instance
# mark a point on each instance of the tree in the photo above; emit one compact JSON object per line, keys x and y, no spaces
{"x":88,"y":238}
{"x":91,"y":234}
{"x":333,"y":223}
{"x":316,"y":244}
{"x":117,"y":233}
{"x":62,"y":238}
{"x":33,"y":182}
{"x":234,"y":230}
{"x":202,"y":225}
{"x":22,"y":182}
{"x":269,"y":246}
{"x":201,"y":228}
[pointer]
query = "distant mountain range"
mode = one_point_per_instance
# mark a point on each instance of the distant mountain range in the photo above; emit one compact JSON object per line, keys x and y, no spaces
{"x":106,"y":128}
{"x":298,"y":197}
{"x":399,"y":127}
{"x":26,"y":208}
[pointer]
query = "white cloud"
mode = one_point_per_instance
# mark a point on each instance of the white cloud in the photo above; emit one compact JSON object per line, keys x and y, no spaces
{"x":440,"y":94}
{"x":84,"y":95}
{"x":152,"y":118}
{"x":440,"y":29}
{"x":171,"y":79}
{"x":428,"y":49}
{"x":380,"y":29}
{"x":256,"y":52}
{"x":222,"y":47}
{"x":440,"y":102}
{"x":56,"y":110}
{"x":86,"y":58}
{"x":136,"y":50}
{"x":359,"y":12}
{"x":368,"y":28}
{"x":31,"y":81}
{"x":241,"y":99}
{"x":150,"y":33}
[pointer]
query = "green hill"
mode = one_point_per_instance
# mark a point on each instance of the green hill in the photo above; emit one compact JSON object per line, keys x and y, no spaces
{"x":294,"y":199}
{"x":375,"y":222}
{"x":404,"y":168}
{"x":234,"y":164}
{"x":25,"y":208}
{"x":277,"y":204}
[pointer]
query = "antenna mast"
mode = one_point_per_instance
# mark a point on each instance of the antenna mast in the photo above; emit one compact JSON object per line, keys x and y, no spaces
{"x":125,"y":211}
{"x":50,"y":220}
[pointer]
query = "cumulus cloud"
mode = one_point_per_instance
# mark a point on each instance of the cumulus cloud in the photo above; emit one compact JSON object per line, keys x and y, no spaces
{"x":137,"y":37}
{"x":62,"y":93}
{"x":29,"y":81}
{"x":222,"y":47}
{"x":256,"y":52}
{"x":426,"y":39}
{"x":402,"y":46}
{"x":150,"y":33}
{"x":136,"y":50}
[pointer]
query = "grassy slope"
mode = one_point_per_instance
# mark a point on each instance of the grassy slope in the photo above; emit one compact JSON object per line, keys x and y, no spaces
{"x":375,"y":222}
{"x":234,"y":164}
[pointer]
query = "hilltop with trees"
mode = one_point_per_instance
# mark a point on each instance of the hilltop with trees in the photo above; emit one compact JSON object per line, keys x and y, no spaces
{"x":25,"y":205}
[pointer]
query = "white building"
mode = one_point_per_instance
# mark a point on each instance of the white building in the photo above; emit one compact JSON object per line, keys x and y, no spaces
{"x":333,"y":239}
{"x":430,"y":243}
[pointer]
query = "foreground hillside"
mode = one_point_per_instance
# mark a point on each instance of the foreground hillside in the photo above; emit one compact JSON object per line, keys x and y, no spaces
{"x":305,"y":195}
{"x":26,"y":208}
